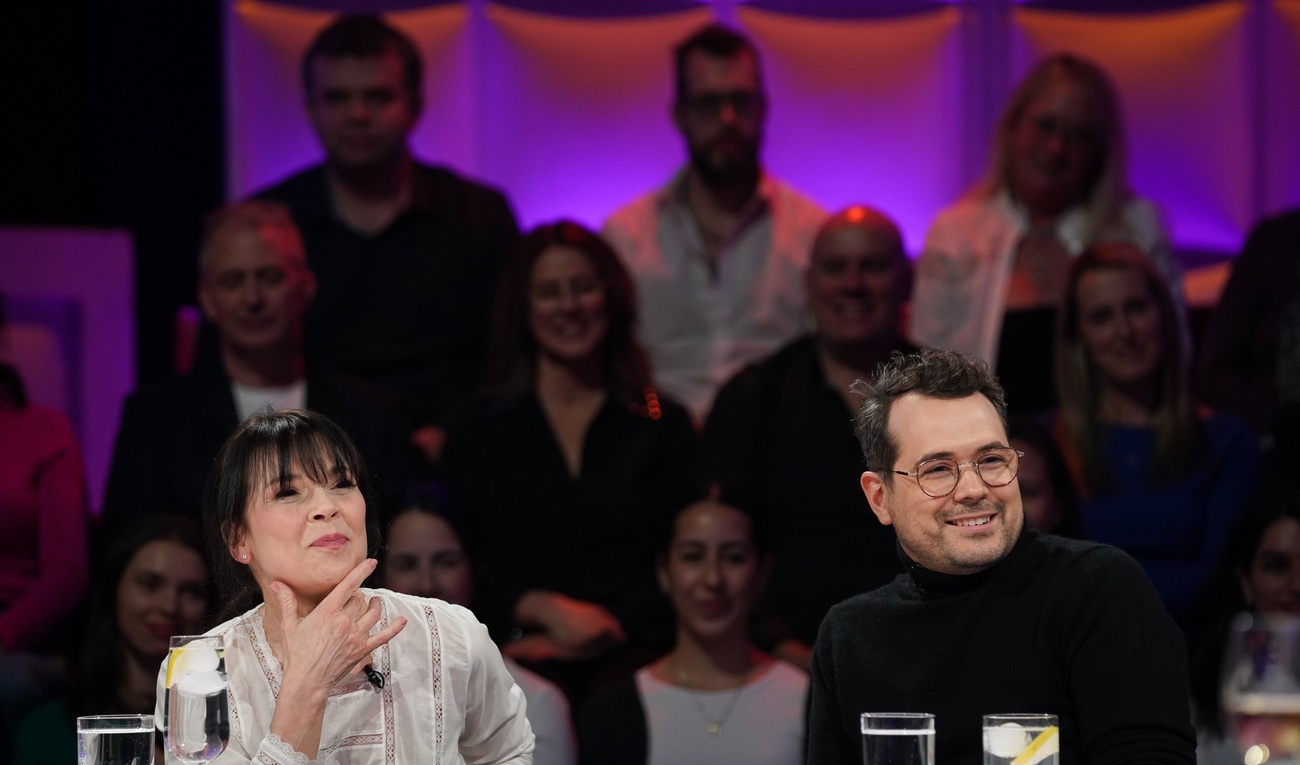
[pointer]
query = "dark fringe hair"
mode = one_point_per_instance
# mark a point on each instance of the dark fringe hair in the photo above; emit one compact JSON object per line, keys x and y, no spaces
{"x":268,"y":446}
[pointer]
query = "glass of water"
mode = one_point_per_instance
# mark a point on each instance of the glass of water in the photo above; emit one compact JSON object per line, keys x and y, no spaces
{"x":115,"y":740}
{"x":196,"y":725}
{"x":1261,"y":686}
{"x":1021,"y":739}
{"x":897,"y":738}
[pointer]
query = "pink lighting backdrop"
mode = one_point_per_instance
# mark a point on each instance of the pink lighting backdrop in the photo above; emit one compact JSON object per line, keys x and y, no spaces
{"x":569,"y":114}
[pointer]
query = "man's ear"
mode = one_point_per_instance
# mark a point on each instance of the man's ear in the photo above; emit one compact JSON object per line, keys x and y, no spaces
{"x":205,"y":301}
{"x":878,"y":496}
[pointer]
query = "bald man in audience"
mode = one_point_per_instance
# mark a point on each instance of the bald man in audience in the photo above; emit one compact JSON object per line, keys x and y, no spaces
{"x":254,"y":288}
{"x":781,"y":430}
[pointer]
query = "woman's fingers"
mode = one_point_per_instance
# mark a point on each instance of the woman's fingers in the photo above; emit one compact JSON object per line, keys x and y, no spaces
{"x":386,"y":634}
{"x":344,"y":590}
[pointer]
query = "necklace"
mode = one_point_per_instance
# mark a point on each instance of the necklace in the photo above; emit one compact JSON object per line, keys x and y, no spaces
{"x":712,"y":724}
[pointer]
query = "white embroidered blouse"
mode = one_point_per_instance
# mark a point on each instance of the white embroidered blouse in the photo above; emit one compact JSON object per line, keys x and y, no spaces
{"x":447,"y":697}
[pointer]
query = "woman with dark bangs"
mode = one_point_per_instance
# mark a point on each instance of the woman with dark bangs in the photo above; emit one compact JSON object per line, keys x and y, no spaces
{"x":570,"y":464}
{"x":320,"y":668}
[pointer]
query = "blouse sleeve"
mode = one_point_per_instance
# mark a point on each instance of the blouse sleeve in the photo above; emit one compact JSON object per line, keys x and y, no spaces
{"x":60,"y":485}
{"x":496,"y":726}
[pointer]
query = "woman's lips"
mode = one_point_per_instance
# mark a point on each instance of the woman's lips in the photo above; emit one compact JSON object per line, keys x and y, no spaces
{"x":330,"y":541}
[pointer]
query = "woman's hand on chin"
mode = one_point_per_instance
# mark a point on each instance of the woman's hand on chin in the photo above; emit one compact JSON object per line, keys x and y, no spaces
{"x":334,"y":640}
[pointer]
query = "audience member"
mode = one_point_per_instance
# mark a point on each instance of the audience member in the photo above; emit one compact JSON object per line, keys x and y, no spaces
{"x":1250,"y":361}
{"x":43,"y":552}
{"x":597,"y":462}
{"x":1259,"y":572}
{"x":254,"y":286}
{"x":1046,"y":489}
{"x":790,"y":463}
{"x":993,"y":269}
{"x":990,"y":617}
{"x":407,"y":255}
{"x":318,"y":665}
{"x":152,"y":584}
{"x":425,"y":556}
{"x":719,"y":253}
{"x":715,"y":697}
{"x":1156,"y":478}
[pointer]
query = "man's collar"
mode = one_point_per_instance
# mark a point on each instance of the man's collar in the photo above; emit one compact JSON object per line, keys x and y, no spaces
{"x":933,"y":583}
{"x":674,"y":194}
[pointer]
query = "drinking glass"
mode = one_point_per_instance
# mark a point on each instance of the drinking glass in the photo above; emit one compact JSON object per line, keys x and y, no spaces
{"x":1021,"y":739}
{"x":115,"y":740}
{"x":196,"y":723}
{"x":897,"y":738}
{"x":1261,"y":686}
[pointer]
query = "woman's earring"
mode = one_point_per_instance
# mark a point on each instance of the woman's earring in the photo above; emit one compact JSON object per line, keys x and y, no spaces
{"x":243,"y":556}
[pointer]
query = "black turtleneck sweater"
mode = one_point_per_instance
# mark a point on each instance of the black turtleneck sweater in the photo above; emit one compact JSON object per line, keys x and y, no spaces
{"x":1059,"y":626}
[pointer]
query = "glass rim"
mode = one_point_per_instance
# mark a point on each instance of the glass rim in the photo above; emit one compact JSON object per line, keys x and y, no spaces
{"x":1014,"y":716}
{"x":877,"y":723}
{"x":176,"y":641}
{"x":144,"y":720}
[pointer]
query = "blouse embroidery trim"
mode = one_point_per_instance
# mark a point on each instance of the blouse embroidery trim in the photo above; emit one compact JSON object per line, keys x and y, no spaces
{"x":435,"y":645}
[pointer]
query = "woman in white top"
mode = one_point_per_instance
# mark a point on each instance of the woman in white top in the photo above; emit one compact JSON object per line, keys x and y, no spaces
{"x":993,"y":269}
{"x":324,"y":670}
{"x":715,"y":698}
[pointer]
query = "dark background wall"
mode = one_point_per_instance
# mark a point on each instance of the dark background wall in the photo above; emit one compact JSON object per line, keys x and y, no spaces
{"x":111,"y":116}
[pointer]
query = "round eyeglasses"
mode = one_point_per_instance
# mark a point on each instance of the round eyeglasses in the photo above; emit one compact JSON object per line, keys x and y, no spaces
{"x":938,"y":477}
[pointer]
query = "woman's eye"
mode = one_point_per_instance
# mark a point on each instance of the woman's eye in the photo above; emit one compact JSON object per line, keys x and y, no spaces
{"x":344,"y":483}
{"x":285,"y":492}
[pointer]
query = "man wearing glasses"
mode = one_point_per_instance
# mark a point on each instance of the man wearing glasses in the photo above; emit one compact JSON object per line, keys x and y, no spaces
{"x":990,"y":617}
{"x":719,"y":254}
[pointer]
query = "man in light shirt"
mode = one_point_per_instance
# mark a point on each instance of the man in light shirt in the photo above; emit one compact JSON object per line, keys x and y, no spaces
{"x":719,"y":253}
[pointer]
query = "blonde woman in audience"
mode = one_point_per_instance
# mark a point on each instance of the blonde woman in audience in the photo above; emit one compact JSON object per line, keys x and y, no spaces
{"x":993,"y":268}
{"x":715,"y":698}
{"x":1157,"y":477}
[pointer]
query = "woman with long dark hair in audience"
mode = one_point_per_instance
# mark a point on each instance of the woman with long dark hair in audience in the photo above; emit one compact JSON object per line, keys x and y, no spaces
{"x":425,"y":555}
{"x":570,"y":463}
{"x":715,"y":697}
{"x":1157,"y":477}
{"x":993,"y":268}
{"x":152,"y":584}
{"x":1259,"y":572}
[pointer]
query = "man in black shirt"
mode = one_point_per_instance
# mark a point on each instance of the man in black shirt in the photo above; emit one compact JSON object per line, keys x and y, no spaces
{"x":407,"y":256}
{"x":989,"y":617}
